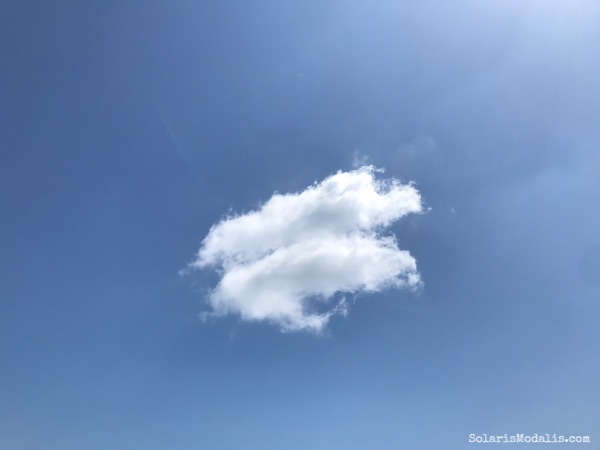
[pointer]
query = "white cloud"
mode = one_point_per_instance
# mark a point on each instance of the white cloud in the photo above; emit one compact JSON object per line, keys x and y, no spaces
{"x":286,"y":261}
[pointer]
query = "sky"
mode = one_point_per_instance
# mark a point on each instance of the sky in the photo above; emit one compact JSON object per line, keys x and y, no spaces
{"x":302,"y":224}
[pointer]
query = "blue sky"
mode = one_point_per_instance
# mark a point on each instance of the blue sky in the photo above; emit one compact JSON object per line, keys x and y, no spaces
{"x":128,"y":130}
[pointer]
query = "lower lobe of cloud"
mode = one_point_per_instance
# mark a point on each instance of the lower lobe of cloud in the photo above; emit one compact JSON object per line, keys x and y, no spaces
{"x":291,"y":261}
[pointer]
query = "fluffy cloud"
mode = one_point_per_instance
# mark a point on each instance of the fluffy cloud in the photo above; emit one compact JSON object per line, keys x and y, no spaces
{"x":286,"y":261}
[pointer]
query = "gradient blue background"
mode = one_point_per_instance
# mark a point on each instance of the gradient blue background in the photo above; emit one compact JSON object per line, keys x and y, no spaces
{"x":128,"y":128}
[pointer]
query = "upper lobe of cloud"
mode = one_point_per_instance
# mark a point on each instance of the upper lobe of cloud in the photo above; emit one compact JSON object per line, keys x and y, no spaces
{"x":286,"y":261}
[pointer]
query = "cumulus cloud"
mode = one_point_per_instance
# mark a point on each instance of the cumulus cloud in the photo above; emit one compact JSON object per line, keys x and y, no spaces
{"x":291,"y":261}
